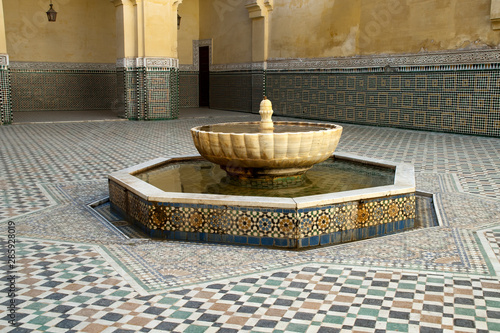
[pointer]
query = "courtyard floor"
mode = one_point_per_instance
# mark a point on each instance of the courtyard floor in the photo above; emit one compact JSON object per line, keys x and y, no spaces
{"x":77,"y":273}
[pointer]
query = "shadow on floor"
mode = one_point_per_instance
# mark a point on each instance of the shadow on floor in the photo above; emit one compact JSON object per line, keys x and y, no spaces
{"x":109,"y":115}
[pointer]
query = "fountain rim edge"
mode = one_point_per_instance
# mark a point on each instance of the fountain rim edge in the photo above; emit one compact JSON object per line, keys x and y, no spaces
{"x":328,"y":127}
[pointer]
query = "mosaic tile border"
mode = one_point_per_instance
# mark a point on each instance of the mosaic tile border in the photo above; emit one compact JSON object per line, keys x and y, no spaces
{"x":423,"y":61}
{"x":147,"y":62}
{"x":441,"y":58}
{"x":6,"y":116}
{"x":4,"y":60}
{"x":325,"y":225}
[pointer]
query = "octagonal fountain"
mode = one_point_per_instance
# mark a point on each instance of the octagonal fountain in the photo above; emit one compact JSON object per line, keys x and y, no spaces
{"x":278,"y":185}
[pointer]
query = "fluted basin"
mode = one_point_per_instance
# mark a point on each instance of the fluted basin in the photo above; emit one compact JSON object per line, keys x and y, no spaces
{"x":243,"y":149}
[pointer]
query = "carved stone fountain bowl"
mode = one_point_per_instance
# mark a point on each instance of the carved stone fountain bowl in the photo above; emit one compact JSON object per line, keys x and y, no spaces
{"x":245,"y":150}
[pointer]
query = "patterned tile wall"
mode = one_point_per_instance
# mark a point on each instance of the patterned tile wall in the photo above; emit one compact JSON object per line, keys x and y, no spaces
{"x":231,"y":91}
{"x":258,"y":89}
{"x":448,"y":101}
{"x":188,"y":89}
{"x":38,"y":90}
{"x":5,"y":96}
{"x":132,"y":80}
{"x":162,"y":93}
{"x":120,"y":92}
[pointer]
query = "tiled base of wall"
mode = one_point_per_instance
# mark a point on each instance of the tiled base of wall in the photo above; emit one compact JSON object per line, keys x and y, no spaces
{"x":231,"y":91}
{"x":448,"y":101}
{"x":188,"y":89}
{"x":39,"y":90}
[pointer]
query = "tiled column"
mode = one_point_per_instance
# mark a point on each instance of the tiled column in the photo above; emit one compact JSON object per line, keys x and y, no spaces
{"x":5,"y":103}
{"x":147,"y":65}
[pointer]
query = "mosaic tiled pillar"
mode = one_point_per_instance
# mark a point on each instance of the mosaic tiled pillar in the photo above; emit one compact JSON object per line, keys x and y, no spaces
{"x":150,"y":88}
{"x":5,"y":91}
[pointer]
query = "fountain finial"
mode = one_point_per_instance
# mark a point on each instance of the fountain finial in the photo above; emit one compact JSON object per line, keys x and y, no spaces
{"x":266,"y":112}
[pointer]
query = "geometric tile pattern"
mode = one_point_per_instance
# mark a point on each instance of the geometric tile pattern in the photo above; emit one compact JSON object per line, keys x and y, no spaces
{"x":188,"y":89}
{"x":433,"y":280}
{"x":70,"y":287}
{"x":38,"y":90}
{"x":151,"y":93}
{"x":157,"y":266}
{"x":449,"y":101}
{"x":338,"y":223}
{"x":231,"y":91}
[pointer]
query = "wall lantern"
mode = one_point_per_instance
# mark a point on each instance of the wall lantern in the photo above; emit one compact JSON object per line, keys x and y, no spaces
{"x":178,"y":21}
{"x":51,"y":13}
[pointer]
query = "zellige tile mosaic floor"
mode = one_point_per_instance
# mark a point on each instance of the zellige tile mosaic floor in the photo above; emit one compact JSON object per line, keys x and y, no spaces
{"x":78,"y":273}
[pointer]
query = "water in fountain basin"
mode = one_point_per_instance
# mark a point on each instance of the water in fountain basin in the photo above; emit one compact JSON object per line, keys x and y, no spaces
{"x":326,"y":177}
{"x":249,"y":128}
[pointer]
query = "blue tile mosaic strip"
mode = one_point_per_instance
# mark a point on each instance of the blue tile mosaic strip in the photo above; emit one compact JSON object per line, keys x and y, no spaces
{"x":332,"y":224}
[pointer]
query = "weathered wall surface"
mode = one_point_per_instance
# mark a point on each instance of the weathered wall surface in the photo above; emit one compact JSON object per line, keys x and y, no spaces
{"x":227,"y":23}
{"x":340,"y":28}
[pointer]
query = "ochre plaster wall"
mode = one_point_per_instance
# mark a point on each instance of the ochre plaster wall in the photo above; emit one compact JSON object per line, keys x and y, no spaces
{"x":339,"y":28}
{"x":228,"y":24}
{"x":3,"y":41}
{"x":189,"y":11}
{"x":84,"y":31}
{"x":157,"y":29}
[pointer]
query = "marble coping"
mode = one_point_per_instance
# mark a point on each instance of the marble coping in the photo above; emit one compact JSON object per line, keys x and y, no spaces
{"x":404,"y":183}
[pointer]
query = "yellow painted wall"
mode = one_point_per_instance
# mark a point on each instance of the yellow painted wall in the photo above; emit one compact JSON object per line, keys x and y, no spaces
{"x":157,"y":22}
{"x":189,"y":11}
{"x":3,"y":41}
{"x":338,"y":28}
{"x":227,"y":22}
{"x":311,"y":28}
{"x":84,"y":31}
{"x":409,"y":26}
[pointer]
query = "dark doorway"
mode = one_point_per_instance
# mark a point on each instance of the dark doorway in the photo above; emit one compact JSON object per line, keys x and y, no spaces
{"x":204,"y":83}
